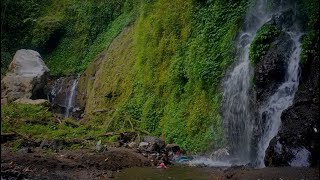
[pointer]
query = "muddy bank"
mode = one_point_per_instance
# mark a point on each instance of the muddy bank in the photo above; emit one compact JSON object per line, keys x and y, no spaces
{"x":68,"y":164}
{"x":122,"y":163}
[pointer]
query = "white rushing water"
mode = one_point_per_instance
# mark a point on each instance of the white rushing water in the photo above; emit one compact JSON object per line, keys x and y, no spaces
{"x":70,"y":100}
{"x":63,"y":94}
{"x":271,"y":112}
{"x":237,"y":111}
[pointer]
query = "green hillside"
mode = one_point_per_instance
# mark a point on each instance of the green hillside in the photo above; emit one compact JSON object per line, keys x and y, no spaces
{"x":151,"y":65}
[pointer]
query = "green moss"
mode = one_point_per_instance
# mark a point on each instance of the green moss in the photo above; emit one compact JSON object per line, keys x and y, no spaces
{"x":262,"y":42}
{"x":166,"y":69}
{"x":31,"y":112}
{"x":158,"y":71}
{"x":74,"y":54}
{"x":310,"y":39}
{"x":67,"y":33}
{"x":37,"y":123}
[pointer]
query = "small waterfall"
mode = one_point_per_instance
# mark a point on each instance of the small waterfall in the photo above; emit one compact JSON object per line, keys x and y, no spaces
{"x":270,"y":113}
{"x":62,"y":95}
{"x":71,"y":97}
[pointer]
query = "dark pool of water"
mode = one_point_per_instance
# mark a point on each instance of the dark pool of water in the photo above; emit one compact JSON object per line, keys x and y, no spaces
{"x":171,"y":173}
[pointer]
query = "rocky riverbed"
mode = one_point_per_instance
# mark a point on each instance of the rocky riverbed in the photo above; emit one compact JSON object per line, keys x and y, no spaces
{"x":128,"y":161}
{"x":112,"y":164}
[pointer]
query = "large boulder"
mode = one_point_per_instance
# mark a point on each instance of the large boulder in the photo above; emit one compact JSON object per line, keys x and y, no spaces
{"x":26,"y":78}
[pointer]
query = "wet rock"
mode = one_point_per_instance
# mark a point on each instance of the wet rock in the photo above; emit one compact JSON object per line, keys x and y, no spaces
{"x":143,"y":145}
{"x":221,"y":153}
{"x":77,"y":112}
{"x":284,"y":19}
{"x":172,"y":147}
{"x":271,"y":69}
{"x":59,"y":91}
{"x":132,"y":145}
{"x":245,"y":40}
{"x":26,"y":78}
{"x":153,"y":147}
{"x":155,"y":140}
{"x":297,"y":134}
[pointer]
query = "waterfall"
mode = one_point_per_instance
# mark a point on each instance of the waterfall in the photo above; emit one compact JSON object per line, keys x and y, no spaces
{"x":237,"y":112}
{"x":70,"y":100}
{"x":271,"y":112}
{"x":239,"y":116}
{"x":62,"y":95}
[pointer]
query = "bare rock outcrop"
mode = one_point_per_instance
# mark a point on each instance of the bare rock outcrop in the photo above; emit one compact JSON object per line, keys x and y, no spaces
{"x":26,"y":77}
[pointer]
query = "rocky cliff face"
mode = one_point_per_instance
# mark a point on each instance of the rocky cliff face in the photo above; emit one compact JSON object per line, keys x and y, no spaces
{"x":270,"y":71}
{"x":61,"y":94}
{"x":297,"y":142}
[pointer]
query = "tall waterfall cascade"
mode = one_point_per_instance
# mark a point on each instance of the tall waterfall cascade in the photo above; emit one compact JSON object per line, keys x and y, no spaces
{"x":237,"y":109}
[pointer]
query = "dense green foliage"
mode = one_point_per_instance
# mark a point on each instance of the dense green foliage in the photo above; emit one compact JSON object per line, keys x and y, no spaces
{"x":68,"y":34}
{"x":17,"y":20}
{"x":157,"y":63}
{"x":90,"y":28}
{"x":310,"y":43}
{"x":179,"y":53}
{"x":262,"y":42}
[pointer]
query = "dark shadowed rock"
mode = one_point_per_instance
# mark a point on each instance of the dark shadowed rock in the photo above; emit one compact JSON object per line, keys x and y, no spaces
{"x":143,"y":146}
{"x":284,"y":19}
{"x":153,"y":147}
{"x":59,"y":92}
{"x":155,"y":140}
{"x":270,"y":71}
{"x":172,"y":147}
{"x":298,"y":137}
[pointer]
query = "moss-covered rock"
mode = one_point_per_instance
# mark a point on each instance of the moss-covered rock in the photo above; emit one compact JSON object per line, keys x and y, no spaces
{"x":262,"y":42}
